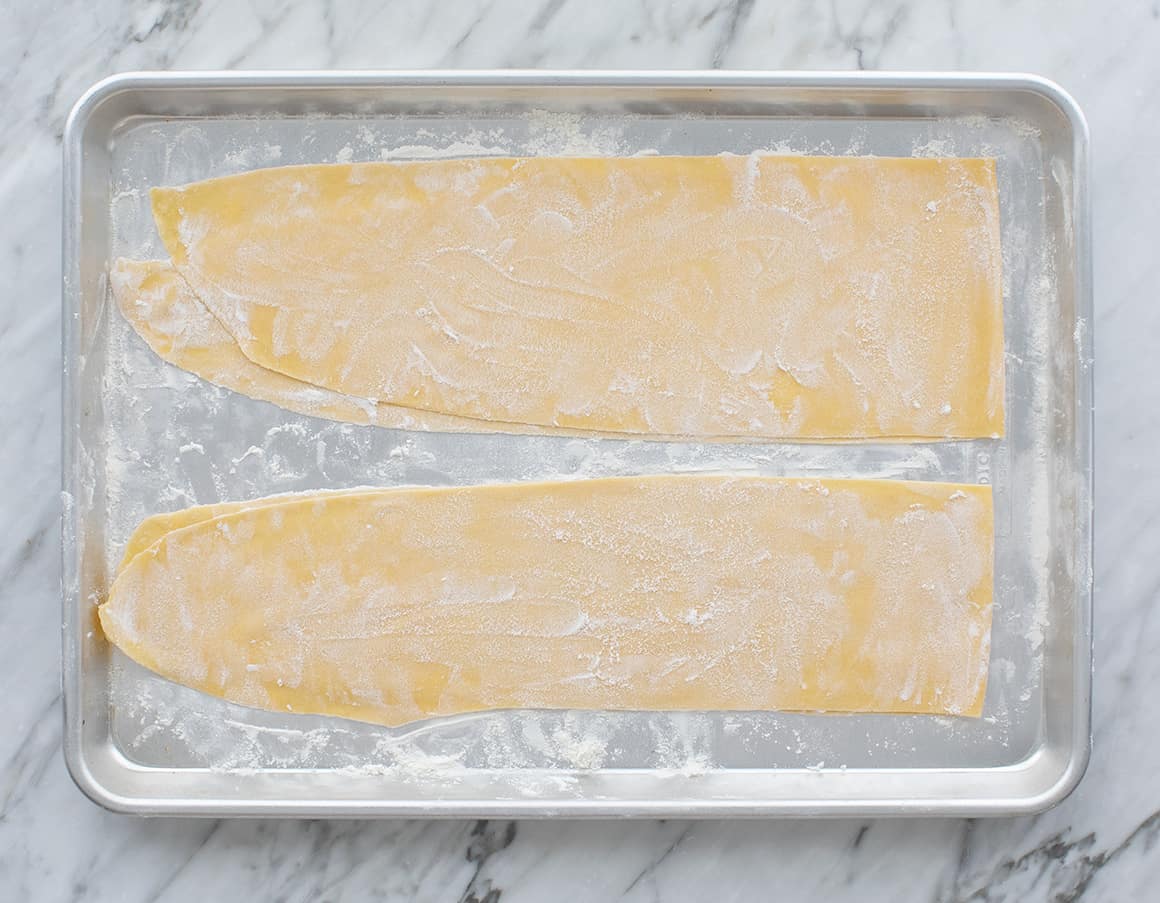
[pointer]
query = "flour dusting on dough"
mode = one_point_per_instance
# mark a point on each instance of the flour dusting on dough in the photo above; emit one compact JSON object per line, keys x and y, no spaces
{"x":775,"y":311}
{"x":690,"y":592}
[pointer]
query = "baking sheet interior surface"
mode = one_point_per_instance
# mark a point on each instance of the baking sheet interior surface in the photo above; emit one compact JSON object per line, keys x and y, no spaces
{"x":158,"y":438}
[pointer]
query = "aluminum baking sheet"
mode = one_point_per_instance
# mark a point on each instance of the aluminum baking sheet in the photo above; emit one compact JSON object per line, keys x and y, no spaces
{"x":142,"y":437}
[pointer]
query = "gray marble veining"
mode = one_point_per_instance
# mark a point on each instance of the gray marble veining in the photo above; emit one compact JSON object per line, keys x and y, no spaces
{"x":1101,"y":844}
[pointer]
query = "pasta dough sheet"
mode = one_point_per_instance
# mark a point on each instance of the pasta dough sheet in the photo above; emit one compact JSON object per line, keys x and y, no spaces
{"x":165,"y":312}
{"x":760,"y":296}
{"x":628,"y":593}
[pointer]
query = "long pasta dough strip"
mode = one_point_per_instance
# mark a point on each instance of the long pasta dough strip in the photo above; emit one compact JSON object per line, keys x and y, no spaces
{"x":657,"y":593}
{"x":760,"y":296}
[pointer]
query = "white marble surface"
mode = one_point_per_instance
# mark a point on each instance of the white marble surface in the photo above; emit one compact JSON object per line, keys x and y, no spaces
{"x":1101,"y":844}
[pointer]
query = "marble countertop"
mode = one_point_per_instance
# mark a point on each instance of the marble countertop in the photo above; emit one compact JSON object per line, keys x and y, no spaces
{"x":1100,"y":844}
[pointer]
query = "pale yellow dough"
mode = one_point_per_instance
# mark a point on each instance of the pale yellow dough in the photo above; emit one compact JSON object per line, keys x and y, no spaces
{"x":761,"y":296}
{"x":156,"y":526}
{"x":655,"y":593}
{"x":165,"y":312}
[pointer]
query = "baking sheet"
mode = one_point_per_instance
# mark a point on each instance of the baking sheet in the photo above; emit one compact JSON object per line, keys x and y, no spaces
{"x":143,"y":437}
